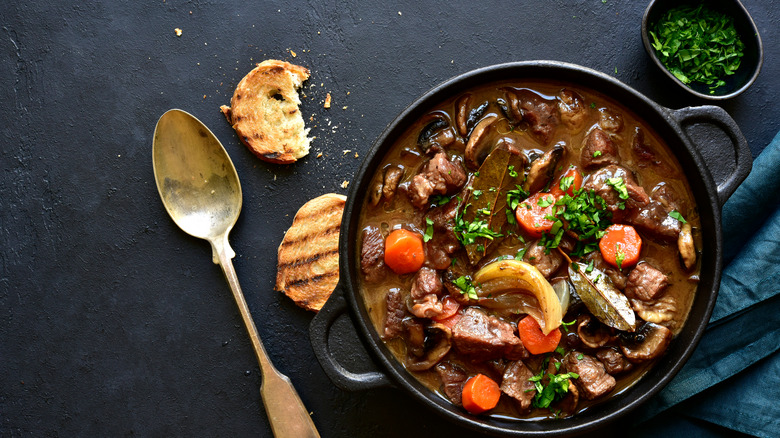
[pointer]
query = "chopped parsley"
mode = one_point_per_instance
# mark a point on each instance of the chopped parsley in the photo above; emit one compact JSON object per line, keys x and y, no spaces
{"x":619,"y":185}
{"x":580,"y":356}
{"x":556,"y":388}
{"x":676,"y":215}
{"x":620,"y":256}
{"x":520,"y":253}
{"x":466,"y":287}
{"x":512,"y":171}
{"x":565,"y":326}
{"x":428,"y":229}
{"x":545,"y":201}
{"x":566,"y":182}
{"x":439,"y":199}
{"x":477,"y":193}
{"x":513,"y":198}
{"x":468,"y":232}
{"x":698,"y":44}
{"x":596,"y":154}
{"x":593,"y":104}
{"x":584,"y":214}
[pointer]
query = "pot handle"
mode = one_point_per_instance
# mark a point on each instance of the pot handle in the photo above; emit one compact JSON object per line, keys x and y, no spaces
{"x":319,"y":333}
{"x":706,"y":143}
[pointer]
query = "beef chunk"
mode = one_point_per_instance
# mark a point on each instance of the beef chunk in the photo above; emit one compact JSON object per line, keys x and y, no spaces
{"x":515,"y":384}
{"x":396,"y":312}
{"x":540,"y":114}
{"x":426,"y":288}
{"x":572,"y":108}
{"x":547,"y":264}
{"x":646,"y":283}
{"x":452,"y":378}
{"x":610,"y":121}
{"x":654,"y":217}
{"x":439,"y":176}
{"x":483,"y":337}
{"x":372,"y":254}
{"x":444,"y":242}
{"x":598,"y":151}
{"x":614,"y":362}
{"x":598,"y":181}
{"x":594,"y":381}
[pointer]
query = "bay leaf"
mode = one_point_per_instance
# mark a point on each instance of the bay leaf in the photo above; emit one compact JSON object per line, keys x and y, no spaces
{"x":602,"y":298}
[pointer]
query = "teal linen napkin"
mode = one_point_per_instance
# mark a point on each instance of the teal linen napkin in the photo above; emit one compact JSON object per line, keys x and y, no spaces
{"x":733,"y":377}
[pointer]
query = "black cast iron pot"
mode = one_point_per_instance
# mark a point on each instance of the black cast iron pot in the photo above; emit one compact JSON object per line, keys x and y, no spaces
{"x":700,"y":161}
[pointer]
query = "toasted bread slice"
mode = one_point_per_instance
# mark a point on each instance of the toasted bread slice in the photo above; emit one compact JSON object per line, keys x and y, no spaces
{"x":308,"y":264}
{"x":264,"y":112}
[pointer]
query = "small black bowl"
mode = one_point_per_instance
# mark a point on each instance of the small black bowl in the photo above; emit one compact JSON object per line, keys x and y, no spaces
{"x":751,"y":61}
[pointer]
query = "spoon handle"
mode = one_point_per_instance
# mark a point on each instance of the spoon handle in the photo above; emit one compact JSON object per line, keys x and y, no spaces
{"x":286,"y":412}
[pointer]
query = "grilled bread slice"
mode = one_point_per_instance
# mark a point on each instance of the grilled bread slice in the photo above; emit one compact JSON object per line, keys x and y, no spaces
{"x":308,"y":263}
{"x":264,"y":112}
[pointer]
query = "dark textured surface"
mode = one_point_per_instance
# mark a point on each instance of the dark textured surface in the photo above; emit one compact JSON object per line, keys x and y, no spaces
{"x":113,"y":322}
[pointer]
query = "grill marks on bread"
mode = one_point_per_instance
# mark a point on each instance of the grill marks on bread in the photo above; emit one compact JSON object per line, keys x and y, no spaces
{"x":308,"y":258}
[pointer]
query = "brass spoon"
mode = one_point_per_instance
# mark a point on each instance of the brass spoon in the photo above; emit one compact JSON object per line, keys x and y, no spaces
{"x":200,"y":190}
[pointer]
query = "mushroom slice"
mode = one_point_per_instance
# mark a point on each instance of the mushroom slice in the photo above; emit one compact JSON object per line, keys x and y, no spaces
{"x":462,"y":105}
{"x":375,"y":194}
{"x":437,"y":131}
{"x":543,"y":169}
{"x":518,"y":277}
{"x":686,"y":246}
{"x":592,"y":333}
{"x":438,"y":341}
{"x":649,"y":342}
{"x":393,"y":176}
{"x":478,"y":147}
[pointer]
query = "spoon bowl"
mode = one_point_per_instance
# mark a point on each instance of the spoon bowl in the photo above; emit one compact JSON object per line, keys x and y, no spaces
{"x":196,"y":180}
{"x":199,"y":187}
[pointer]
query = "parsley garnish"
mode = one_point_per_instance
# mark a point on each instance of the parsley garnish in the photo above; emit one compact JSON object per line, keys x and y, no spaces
{"x":619,"y":256}
{"x":566,"y":182}
{"x":428,"y":230}
{"x":580,"y":356}
{"x":593,"y":104}
{"x":439,"y":199}
{"x":520,"y":254}
{"x":466,"y":287}
{"x":676,"y":215}
{"x":512,"y":171}
{"x":468,"y":232}
{"x":476,"y":193}
{"x":619,"y":185}
{"x":596,"y":154}
{"x":698,"y":44}
{"x":556,"y":388}
{"x":565,"y":326}
{"x":513,"y":198}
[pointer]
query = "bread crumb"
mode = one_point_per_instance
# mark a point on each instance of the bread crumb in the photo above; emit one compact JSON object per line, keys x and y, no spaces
{"x":177,"y":31}
{"x":327,"y":101}
{"x":344,"y":184}
{"x":293,"y":53}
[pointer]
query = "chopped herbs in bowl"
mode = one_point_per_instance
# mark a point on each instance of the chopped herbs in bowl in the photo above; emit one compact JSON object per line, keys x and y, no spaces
{"x":712,"y":49}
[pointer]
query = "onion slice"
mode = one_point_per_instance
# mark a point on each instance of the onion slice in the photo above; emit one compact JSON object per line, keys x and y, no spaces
{"x":515,"y":276}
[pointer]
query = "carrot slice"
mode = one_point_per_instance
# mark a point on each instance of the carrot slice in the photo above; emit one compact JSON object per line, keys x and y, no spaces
{"x":532,"y":217}
{"x":404,"y":251}
{"x":621,"y":246}
{"x":480,"y":394}
{"x":534,"y":340}
{"x":571,"y":184}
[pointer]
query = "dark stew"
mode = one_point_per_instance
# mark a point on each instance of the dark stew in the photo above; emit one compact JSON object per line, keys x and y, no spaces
{"x":528,"y":249}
